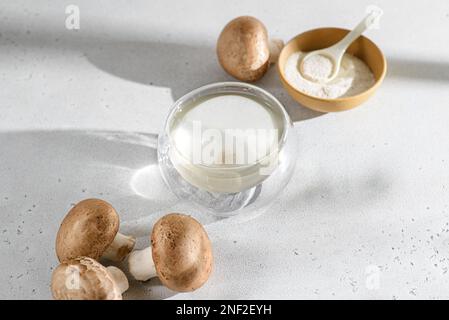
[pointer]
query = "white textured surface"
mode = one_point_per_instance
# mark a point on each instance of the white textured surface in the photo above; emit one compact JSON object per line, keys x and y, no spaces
{"x":370,"y":189}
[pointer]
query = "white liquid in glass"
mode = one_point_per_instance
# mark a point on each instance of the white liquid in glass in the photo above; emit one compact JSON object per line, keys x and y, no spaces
{"x":225,"y":142}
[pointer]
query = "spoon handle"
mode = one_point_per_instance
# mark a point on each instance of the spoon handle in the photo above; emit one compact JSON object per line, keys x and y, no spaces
{"x":370,"y":21}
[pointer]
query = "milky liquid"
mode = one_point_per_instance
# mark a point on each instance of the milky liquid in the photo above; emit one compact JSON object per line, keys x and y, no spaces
{"x":220,"y":142}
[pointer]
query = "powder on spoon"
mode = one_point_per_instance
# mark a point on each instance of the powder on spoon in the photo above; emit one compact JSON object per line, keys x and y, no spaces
{"x":317,"y":67}
{"x":353,"y":78}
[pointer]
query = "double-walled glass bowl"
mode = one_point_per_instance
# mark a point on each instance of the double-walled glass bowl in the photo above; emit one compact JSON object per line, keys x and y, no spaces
{"x":198,"y":125}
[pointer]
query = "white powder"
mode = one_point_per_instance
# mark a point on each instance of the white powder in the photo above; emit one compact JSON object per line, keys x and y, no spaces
{"x":353,"y":78}
{"x":317,"y":67}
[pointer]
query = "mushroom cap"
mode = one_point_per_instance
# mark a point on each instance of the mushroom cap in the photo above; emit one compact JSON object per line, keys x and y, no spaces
{"x":182,"y":252}
{"x":87,"y":230}
{"x":243,"y":48}
{"x":83,"y":279}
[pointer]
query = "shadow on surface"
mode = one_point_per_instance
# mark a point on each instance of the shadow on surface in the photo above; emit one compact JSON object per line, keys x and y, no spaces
{"x":181,"y":67}
{"x":358,"y":191}
{"x":418,"y":69}
{"x":44,"y":173}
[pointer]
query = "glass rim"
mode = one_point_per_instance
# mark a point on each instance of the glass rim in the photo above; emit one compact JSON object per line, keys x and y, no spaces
{"x":237,"y":88}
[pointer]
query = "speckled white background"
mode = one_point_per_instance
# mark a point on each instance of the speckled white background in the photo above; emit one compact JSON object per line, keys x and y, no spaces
{"x":371,"y":187}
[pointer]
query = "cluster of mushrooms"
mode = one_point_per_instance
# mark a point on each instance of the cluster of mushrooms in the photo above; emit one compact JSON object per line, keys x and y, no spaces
{"x":180,"y":254}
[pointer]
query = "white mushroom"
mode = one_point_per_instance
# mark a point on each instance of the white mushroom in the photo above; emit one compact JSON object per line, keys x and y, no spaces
{"x":90,"y":229}
{"x":180,"y":254}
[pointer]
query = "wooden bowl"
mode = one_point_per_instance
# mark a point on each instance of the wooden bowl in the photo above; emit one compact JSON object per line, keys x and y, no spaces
{"x":362,"y":48}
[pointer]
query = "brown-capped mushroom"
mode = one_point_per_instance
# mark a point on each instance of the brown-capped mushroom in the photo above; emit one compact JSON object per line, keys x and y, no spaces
{"x":90,"y":229}
{"x":244,"y":50}
{"x":180,"y":254}
{"x":86,"y":279}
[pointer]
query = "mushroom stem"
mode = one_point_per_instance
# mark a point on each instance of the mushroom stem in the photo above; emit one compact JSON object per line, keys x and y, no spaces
{"x":120,"y":247}
{"x":275,"y":46}
{"x":119,"y":278}
{"x":141,"y":264}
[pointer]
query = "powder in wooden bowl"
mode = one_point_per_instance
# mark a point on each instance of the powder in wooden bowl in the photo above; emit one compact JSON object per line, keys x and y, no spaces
{"x":353,"y":78}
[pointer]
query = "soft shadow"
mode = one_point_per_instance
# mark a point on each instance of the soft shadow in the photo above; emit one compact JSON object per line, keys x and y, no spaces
{"x":363,"y":191}
{"x":418,"y":69}
{"x":179,"y":67}
{"x":44,"y":173}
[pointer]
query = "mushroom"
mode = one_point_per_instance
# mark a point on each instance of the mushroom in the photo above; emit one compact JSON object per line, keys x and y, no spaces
{"x":244,"y":50}
{"x":180,"y":254}
{"x":90,"y":229}
{"x":86,"y":279}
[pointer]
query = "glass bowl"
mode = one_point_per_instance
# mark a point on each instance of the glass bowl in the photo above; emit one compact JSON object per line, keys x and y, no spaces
{"x":227,"y":148}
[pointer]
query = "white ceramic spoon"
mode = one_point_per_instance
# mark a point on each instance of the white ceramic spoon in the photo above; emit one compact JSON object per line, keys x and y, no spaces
{"x":335,"y":53}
